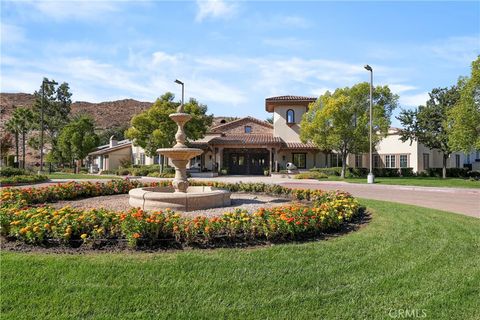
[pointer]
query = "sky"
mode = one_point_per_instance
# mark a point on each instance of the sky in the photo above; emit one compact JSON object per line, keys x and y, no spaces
{"x":231,"y":55}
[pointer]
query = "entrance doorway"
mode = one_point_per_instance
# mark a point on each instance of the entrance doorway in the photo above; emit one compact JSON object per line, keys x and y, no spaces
{"x":246,"y":161}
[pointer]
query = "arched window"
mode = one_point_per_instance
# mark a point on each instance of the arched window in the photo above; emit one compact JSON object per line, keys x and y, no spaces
{"x":290,"y":116}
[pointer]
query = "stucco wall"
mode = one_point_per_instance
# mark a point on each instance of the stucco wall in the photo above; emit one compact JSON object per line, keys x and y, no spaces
{"x":288,"y":132}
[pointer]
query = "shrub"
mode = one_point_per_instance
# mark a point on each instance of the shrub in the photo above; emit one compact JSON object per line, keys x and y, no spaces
{"x":162,"y":175}
{"x":311,"y":175}
{"x":333,"y":171}
{"x":9,"y":171}
{"x":451,"y":172}
{"x":18,"y":179}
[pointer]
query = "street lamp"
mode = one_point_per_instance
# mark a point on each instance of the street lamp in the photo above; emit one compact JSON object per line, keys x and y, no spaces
{"x":42,"y":122}
{"x":370,"y":177}
{"x":180,"y":108}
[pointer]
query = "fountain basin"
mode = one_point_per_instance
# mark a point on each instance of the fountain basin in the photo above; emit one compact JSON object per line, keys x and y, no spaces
{"x":180,"y":153}
{"x":196,"y":198}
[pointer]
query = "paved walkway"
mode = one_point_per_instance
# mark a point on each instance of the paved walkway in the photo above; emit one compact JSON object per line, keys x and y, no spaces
{"x":459,"y":200}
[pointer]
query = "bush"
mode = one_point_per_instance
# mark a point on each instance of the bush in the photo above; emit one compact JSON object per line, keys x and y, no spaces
{"x":18,"y":179}
{"x":311,"y":175}
{"x":9,"y":172}
{"x":43,"y":224}
{"x":451,"y":172}
{"x":108,"y":172}
{"x":162,"y":175}
{"x":333,"y":171}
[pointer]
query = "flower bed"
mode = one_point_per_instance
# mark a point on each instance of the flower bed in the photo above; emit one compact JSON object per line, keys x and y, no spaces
{"x":22,"y":220}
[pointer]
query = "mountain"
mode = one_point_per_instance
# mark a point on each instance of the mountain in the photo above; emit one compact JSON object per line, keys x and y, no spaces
{"x":107,"y":114}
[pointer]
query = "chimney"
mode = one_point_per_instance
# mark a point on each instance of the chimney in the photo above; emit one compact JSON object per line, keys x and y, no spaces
{"x":113,"y":141}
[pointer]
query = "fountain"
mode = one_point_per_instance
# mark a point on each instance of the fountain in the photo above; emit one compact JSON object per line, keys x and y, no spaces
{"x":181,"y":197}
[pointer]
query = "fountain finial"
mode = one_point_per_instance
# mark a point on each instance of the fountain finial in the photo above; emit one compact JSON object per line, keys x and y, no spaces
{"x":180,"y":107}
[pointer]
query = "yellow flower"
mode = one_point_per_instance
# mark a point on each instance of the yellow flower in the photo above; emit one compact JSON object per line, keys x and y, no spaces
{"x":36,"y":229}
{"x":84,"y":236}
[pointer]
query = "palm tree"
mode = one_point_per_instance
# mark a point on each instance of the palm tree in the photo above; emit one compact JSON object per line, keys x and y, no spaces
{"x":12,"y":126}
{"x":24,"y":120}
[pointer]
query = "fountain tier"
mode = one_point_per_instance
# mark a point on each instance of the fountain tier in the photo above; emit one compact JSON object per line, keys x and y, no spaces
{"x":181,"y":196}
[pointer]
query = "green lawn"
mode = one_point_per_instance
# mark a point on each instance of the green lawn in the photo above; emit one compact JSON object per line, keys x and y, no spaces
{"x":416,"y":181}
{"x":59,"y":175}
{"x":406,"y":258}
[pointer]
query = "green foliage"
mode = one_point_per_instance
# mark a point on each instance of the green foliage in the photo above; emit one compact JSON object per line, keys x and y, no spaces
{"x":56,"y":108}
{"x":340,"y":121}
{"x":429,"y":124}
{"x":6,"y":143}
{"x":153,"y":129}
{"x":311,"y":175}
{"x":78,"y":138}
{"x":9,"y":172}
{"x":117,"y":132}
{"x":464,"y":117}
{"x":19,"y":179}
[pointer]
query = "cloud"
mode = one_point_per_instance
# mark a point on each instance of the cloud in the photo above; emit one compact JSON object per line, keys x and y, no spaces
{"x":80,"y":10}
{"x":11,"y":34}
{"x":414,"y":100}
{"x":455,"y":49}
{"x":287,"y":42}
{"x":214,"y":9}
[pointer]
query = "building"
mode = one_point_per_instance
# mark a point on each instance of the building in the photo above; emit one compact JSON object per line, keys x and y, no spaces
{"x":249,"y":146}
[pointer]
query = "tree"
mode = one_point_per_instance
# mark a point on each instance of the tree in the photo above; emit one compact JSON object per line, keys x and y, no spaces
{"x":23,"y":119}
{"x":340,"y":120}
{"x":12,"y":126}
{"x":5,"y":144}
{"x":429,"y":124}
{"x":117,"y":132}
{"x":464,"y":117}
{"x":153,"y":129}
{"x":269,"y":120}
{"x":77,"y":139}
{"x":56,"y":110}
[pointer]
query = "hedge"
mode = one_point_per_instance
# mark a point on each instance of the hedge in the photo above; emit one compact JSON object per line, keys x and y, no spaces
{"x":21,"y":220}
{"x":13,"y":180}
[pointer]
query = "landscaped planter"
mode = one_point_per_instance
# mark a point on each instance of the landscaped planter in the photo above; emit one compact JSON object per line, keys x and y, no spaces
{"x":21,"y":219}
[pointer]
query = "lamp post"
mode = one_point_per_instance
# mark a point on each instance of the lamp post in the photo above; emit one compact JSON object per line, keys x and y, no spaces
{"x":180,"y":109}
{"x":370,"y":177}
{"x":42,"y":122}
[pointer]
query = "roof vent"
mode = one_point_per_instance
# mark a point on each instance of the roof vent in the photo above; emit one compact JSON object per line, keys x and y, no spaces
{"x":113,"y":141}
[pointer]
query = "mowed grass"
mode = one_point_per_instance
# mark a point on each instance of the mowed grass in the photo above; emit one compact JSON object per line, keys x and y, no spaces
{"x":416,"y":181}
{"x":406,"y":258}
{"x":72,"y":176}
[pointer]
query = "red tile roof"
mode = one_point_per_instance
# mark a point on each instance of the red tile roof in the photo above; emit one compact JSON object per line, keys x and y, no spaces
{"x":224,"y":126}
{"x":254,"y":139}
{"x":271,"y":102}
{"x":291,"y":98}
{"x":299,"y":145}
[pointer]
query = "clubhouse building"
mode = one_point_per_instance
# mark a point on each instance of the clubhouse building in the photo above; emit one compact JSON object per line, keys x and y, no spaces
{"x":249,"y":146}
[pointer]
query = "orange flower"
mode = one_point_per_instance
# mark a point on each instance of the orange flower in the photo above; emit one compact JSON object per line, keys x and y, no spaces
{"x":137,"y":235}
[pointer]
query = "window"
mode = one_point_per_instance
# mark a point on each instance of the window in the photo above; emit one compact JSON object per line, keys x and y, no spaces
{"x":467,"y":159}
{"x":142,"y":158}
{"x":376,"y":161}
{"x":403,"y":161}
{"x":390,"y":161}
{"x":457,"y":161}
{"x":248,"y":129}
{"x":358,"y":161}
{"x":426,"y":161}
{"x":335,"y":160}
{"x":290,"y":116}
{"x":299,"y":160}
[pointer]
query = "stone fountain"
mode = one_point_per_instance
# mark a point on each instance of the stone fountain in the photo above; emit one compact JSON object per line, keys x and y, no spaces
{"x":181,"y":197}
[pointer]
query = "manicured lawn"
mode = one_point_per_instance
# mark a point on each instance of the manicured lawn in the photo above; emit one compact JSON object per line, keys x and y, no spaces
{"x":59,"y":175}
{"x":416,"y":181}
{"x":406,"y":258}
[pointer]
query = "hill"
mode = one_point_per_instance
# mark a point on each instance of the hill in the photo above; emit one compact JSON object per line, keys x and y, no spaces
{"x":109,"y":114}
